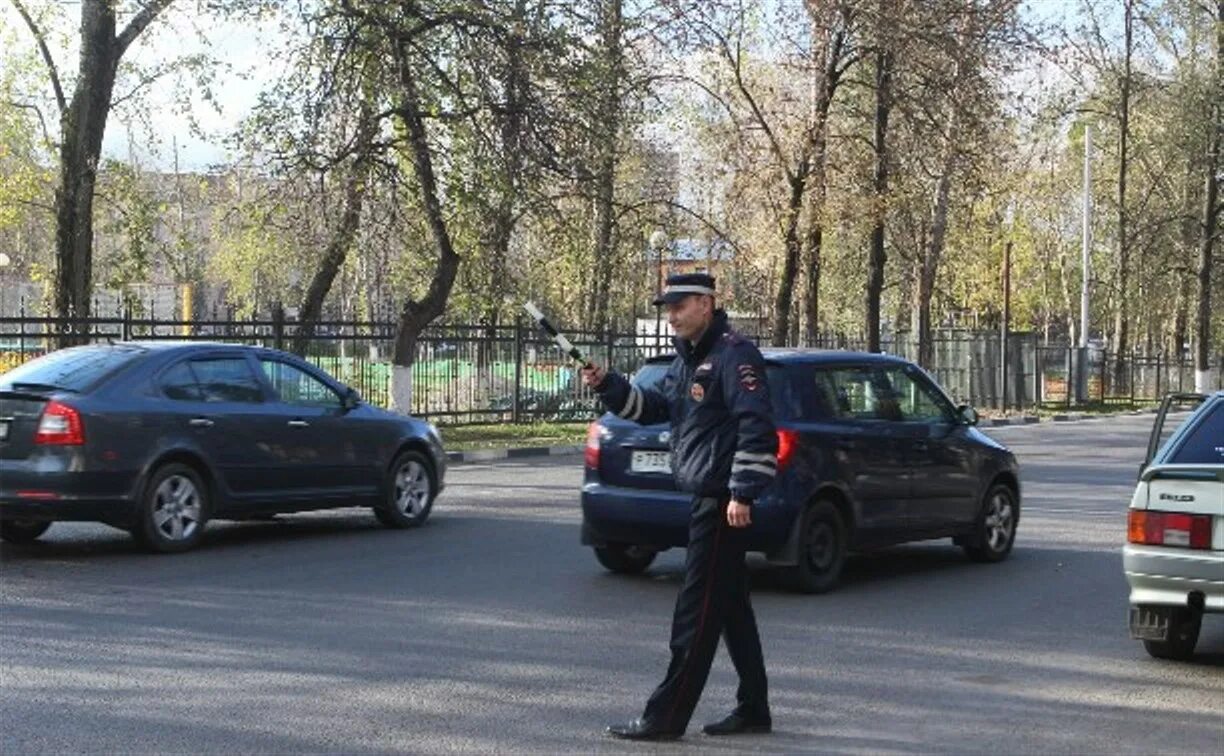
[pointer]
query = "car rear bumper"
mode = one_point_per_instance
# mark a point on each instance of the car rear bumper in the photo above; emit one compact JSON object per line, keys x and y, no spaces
{"x":1163,"y":576}
{"x":660,"y":519}
{"x":39,"y":490}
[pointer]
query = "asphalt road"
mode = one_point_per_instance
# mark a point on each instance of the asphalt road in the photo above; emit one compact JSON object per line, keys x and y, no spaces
{"x":492,"y":629}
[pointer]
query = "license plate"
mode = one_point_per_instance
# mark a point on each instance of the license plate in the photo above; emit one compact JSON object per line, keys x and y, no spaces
{"x":1148,"y":625}
{"x":650,"y":462}
{"x":4,"y":430}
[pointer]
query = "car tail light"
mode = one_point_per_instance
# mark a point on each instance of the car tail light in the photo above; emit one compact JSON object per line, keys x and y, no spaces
{"x":1169,"y":529}
{"x":787,"y":441}
{"x":60,"y":425}
{"x":590,"y":455}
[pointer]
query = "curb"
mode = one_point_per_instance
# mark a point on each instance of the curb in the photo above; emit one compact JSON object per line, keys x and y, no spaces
{"x":526,"y":452}
{"x":1065,"y":418}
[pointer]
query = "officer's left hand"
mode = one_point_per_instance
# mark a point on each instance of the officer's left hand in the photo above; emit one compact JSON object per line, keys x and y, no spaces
{"x":739,"y":515}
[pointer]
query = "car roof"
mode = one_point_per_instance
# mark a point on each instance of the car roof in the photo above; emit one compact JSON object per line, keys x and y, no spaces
{"x":170,"y":345}
{"x":808,"y":355}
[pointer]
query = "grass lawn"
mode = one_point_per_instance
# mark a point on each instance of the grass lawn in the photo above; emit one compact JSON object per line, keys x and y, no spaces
{"x":467,"y":437}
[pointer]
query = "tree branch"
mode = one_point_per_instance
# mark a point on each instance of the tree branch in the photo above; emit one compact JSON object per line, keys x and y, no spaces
{"x":138,"y":24}
{"x":46,"y":56}
{"x":38,"y":112}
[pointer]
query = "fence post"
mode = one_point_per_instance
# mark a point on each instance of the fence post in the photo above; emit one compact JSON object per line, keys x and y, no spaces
{"x":21,"y":338}
{"x":278,"y":325}
{"x":1158,"y":394}
{"x":516,"y":407}
{"x":610,"y":339}
{"x":1038,"y":377}
{"x":1132,"y":377}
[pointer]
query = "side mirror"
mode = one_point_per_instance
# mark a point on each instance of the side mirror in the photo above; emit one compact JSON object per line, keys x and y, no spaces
{"x":351,"y":399}
{"x":967,"y":414}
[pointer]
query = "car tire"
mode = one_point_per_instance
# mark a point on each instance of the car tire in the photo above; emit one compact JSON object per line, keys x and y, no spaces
{"x":994,"y":532}
{"x":823,"y":544}
{"x":410,"y":491}
{"x":22,"y":531}
{"x":173,"y":509}
{"x":1184,"y":626}
{"x":625,"y":559}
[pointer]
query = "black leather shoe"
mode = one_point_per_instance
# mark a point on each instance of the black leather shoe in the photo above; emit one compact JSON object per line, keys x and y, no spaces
{"x":737,"y":724}
{"x":640,"y":729}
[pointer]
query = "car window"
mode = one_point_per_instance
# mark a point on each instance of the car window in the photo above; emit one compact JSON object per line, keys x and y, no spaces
{"x":784,"y":395}
{"x":1178,"y":412}
{"x":917,"y":401}
{"x":227,"y":379}
{"x":861,"y":393}
{"x":180,"y":383}
{"x":75,"y":369}
{"x":295,"y":386}
{"x":1204,"y":444}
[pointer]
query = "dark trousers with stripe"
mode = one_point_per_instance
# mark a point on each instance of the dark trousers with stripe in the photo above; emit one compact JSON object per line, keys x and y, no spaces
{"x":713,"y":601}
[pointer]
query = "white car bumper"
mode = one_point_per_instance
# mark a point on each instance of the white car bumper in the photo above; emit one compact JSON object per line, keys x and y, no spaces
{"x":1165,"y":576}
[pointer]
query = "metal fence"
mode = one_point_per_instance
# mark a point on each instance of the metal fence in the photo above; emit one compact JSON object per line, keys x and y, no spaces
{"x":470,"y":374}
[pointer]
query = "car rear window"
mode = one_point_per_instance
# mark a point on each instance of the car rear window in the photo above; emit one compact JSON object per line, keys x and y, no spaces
{"x":1204,"y":444}
{"x":782,"y":392}
{"x":75,"y":369}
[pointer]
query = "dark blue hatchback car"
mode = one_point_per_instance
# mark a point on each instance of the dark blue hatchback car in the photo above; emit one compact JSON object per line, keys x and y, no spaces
{"x":159,"y":438}
{"x":871,"y":453}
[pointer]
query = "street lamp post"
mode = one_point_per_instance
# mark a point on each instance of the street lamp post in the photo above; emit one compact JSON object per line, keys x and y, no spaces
{"x":658,"y":243}
{"x":1006,"y":324}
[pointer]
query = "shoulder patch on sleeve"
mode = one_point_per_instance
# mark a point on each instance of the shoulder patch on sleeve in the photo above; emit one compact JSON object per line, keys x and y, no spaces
{"x":749,"y":377}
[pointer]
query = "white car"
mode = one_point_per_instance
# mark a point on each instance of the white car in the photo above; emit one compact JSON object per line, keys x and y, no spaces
{"x":1174,"y":558}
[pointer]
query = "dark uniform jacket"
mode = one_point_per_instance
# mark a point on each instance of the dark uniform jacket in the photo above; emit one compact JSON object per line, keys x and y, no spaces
{"x":715,"y":395}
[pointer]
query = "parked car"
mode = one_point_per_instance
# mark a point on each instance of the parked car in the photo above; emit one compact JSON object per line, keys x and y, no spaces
{"x":160,"y":438}
{"x":1174,"y":555}
{"x":871,"y":453}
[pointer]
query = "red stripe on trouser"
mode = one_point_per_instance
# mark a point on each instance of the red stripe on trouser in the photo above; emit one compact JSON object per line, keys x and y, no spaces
{"x":701,"y":620}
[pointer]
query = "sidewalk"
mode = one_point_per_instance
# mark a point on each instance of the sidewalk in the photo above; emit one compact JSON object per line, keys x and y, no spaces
{"x":525,"y":452}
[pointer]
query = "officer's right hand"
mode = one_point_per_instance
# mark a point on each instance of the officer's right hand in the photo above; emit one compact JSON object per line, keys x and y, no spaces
{"x":593,"y":375}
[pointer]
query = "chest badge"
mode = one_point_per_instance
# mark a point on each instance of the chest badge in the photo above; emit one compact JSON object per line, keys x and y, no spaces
{"x":697,"y":392}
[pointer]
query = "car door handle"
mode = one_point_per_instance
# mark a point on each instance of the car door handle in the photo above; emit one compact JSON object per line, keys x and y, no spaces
{"x":298,"y":424}
{"x":200,"y":422}
{"x":845,"y":444}
{"x":921,"y":446}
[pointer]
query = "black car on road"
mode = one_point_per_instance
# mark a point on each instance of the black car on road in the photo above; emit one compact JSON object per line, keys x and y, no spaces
{"x":158,"y":438}
{"x":871,"y":452}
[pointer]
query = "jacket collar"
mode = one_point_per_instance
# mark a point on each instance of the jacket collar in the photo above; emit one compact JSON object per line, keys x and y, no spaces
{"x":694,"y":353}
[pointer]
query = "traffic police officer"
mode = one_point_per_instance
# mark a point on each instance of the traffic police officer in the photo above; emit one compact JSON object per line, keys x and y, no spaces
{"x":724,"y":447}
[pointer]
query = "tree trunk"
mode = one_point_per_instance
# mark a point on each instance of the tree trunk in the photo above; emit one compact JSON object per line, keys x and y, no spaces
{"x":605,"y":179}
{"x":510,"y":132}
{"x":417,"y":314}
{"x":82,"y":127}
{"x":827,"y":66}
{"x":930,"y":260}
{"x":1122,"y":274}
{"x":790,"y":263}
{"x":1211,"y":213}
{"x":878,"y":255}
{"x":342,"y":236}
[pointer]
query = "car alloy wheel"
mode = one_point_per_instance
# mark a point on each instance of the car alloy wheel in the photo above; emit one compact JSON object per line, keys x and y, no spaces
{"x":177,"y":509}
{"x":413,"y":489}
